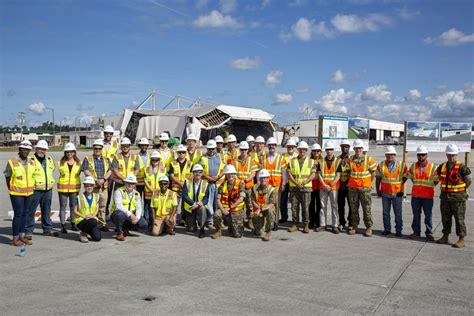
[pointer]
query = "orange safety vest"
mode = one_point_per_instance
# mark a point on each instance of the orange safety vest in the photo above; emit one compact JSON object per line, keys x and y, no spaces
{"x":423,"y":184}
{"x":243,"y":171}
{"x":22,"y":182}
{"x":329,"y":174}
{"x":229,"y":198}
{"x":232,"y":156}
{"x":263,"y":199}
{"x":391,"y":182}
{"x":360,"y":177}
{"x":451,"y":182}
{"x":275,"y":169}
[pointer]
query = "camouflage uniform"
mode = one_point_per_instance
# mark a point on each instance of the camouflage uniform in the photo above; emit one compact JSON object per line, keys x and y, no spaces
{"x":360,"y":197}
{"x":454,"y":204}
{"x":263,"y":222}
{"x":234,"y":220}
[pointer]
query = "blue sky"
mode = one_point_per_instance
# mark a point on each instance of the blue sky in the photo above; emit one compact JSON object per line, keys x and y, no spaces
{"x":392,"y":60}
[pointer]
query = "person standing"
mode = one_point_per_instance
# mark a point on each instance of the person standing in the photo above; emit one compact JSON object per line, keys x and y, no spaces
{"x":232,"y":152}
{"x":20,"y":182}
{"x":251,"y":141}
{"x":153,"y":173}
{"x":220,"y":150}
{"x":141,"y":164}
{"x":424,"y":178}
{"x":193,"y":154}
{"x":69,"y":184}
{"x":302,"y":171}
{"x":98,"y":167}
{"x":361,"y":168}
{"x":123,"y":163}
{"x":259,"y":150}
{"x":164,"y":206}
{"x":180,"y":170}
{"x":315,"y":204}
{"x":43,"y":176}
{"x":85,"y":212}
{"x":263,"y":206}
{"x":167,"y":154}
{"x":390,"y":178}
{"x":290,"y":154}
{"x":343,"y":192}
{"x":455,"y":178}
{"x":109,"y":150}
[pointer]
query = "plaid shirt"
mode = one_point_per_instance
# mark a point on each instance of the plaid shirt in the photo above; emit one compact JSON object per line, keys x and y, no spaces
{"x":99,"y":166}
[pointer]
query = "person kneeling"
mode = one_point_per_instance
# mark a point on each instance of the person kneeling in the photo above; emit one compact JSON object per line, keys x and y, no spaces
{"x":127,"y":209}
{"x":263,"y":203}
{"x":85,"y":212}
{"x":163,"y":209}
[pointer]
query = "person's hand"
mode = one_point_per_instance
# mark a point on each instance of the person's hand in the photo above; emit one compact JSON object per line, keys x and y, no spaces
{"x":133,"y":219}
{"x":299,"y":185}
{"x":194,"y":206}
{"x":89,"y":216}
{"x":226,"y":211}
{"x":200,"y":203}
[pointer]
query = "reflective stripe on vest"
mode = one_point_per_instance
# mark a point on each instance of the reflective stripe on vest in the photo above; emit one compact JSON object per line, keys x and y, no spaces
{"x":129,"y":204}
{"x":300,"y":174}
{"x":112,"y":151}
{"x":21,"y":180}
{"x":42,"y":176}
{"x":69,"y":182}
{"x":125,"y":168}
{"x":84,"y":208}
{"x":391,"y":182}
{"x":264,"y":199}
{"x":202,"y":193}
{"x":143,"y":167}
{"x":423,"y":184}
{"x":451,"y":182}
{"x":360,"y":177}
{"x":153,"y":180}
{"x":228,"y":199}
{"x":181,"y":175}
{"x":243,"y":171}
{"x":275,"y":169}
{"x":164,"y":209}
{"x":90,"y":161}
{"x":328,"y":175}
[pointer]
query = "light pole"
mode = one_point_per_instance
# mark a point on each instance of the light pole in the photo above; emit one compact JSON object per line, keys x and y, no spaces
{"x":54,"y":127}
{"x":21,"y":119}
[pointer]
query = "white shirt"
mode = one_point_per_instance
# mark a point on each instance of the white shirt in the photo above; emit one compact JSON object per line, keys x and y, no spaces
{"x":119,"y":205}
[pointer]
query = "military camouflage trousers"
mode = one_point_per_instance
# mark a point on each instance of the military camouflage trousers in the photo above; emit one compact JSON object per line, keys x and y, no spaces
{"x":263,"y":222}
{"x":456,"y":209}
{"x":363,"y":198}
{"x":234,"y":220}
{"x":299,"y":199}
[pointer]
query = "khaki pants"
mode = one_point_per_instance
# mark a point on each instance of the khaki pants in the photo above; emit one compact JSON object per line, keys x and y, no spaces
{"x":102,"y":205}
{"x":159,"y":225}
{"x":300,"y":198}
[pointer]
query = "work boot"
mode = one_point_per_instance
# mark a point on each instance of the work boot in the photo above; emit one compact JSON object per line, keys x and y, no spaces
{"x":16,"y":242}
{"x":306,"y":229}
{"x":444,"y":239}
{"x":63,"y":229}
{"x":352,"y":231}
{"x":458,"y":244}
{"x":319,"y":229}
{"x":414,"y":236}
{"x":216,"y":234}
{"x":172,"y":232}
{"x":209,"y":225}
{"x":429,"y":237}
{"x":267,"y":236}
{"x":74,"y":227}
{"x":368,"y":232}
{"x":335,"y":230}
{"x":25,"y":241}
{"x":275,"y":227}
{"x":83,"y":237}
{"x":340,"y":227}
{"x":29,"y":237}
{"x":293,"y":228}
{"x":125,"y":232}
{"x":202,"y":234}
{"x":120,"y":237}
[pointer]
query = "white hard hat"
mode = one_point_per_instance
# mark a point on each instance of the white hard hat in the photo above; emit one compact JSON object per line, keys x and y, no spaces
{"x":390,"y":150}
{"x":345,"y":142}
{"x":164,"y":136}
{"x":131,"y":178}
{"x":155,"y":155}
{"x":125,"y":141}
{"x":328,"y":145}
{"x":26,"y":144}
{"x":144,"y":141}
{"x":231,"y":138}
{"x":296,"y":139}
{"x":272,"y":141}
{"x":316,"y":146}
{"x":181,"y":148}
{"x":244,"y":145}
{"x":109,"y":129}
{"x":42,"y":144}
{"x":197,"y":167}
{"x":229,"y":169}
{"x":452,"y":149}
{"x":358,"y":144}
{"x":422,"y":150}
{"x":303,"y":145}
{"x":291,"y":142}
{"x":98,"y":142}
{"x":260,"y":139}
{"x":219,"y":139}
{"x":69,"y":147}
{"x":250,"y":139}
{"x":88,"y":180}
{"x":211,"y":144}
{"x":263,"y":173}
{"x":163,"y":179}
{"x":191,"y":137}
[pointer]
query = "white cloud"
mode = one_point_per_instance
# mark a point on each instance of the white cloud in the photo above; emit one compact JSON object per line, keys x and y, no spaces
{"x":357,"y":24}
{"x":453,"y":104}
{"x":334,"y":101}
{"x":451,"y":37}
{"x":37,"y":108}
{"x":283,"y":98}
{"x":376,"y":93}
{"x":305,"y":30}
{"x":407,"y":14}
{"x":413,"y":95}
{"x":215,"y":19}
{"x":338,"y":76}
{"x":273,"y":78}
{"x":228,"y":6}
{"x":246,"y":63}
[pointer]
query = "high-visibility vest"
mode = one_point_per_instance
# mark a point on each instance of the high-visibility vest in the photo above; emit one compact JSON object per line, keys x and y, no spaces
{"x":360,"y":177}
{"x":391,"y":182}
{"x":451,"y":182}
{"x":143,"y":167}
{"x":423,"y":184}
{"x":125,"y":168}
{"x":22,"y":182}
{"x":315,"y":185}
{"x":262,"y":199}
{"x":129,"y":204}
{"x":44,"y":180}
{"x":84,"y":208}
{"x":205,"y":165}
{"x":202,"y":193}
{"x":153,"y":180}
{"x":275,"y":169}
{"x":112,"y":151}
{"x":169,"y":160}
{"x":90,"y":161}
{"x":232,"y":156}
{"x":344,"y":170}
{"x":69,"y":182}
{"x":163,"y":203}
{"x":288,"y":158}
{"x":258,"y":157}
{"x":229,"y":198}
{"x":223,"y":156}
{"x":329,"y":174}
{"x":243,"y":171}
{"x":196,"y":157}
{"x":179,"y":174}
{"x":301,"y":173}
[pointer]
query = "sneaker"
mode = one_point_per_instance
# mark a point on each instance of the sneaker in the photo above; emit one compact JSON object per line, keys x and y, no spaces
{"x":83,"y":238}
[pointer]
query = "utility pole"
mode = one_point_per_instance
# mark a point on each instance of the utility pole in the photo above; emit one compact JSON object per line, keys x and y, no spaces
{"x":21,"y":120}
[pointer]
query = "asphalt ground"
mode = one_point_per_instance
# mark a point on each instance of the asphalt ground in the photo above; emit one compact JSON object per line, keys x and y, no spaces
{"x":295,"y":273}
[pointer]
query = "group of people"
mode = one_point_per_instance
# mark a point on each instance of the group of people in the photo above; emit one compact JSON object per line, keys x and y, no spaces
{"x":243,"y":185}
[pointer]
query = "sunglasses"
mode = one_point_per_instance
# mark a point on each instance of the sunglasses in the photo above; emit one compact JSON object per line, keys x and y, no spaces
{"x":154,"y":160}
{"x":97,"y":148}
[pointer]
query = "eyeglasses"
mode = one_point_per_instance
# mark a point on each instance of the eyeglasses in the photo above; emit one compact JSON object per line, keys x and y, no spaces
{"x":421,"y":155}
{"x":163,"y":183}
{"x":97,"y":148}
{"x":181,"y":152}
{"x":154,"y":160}
{"x":108,"y":133}
{"x":69,"y":152}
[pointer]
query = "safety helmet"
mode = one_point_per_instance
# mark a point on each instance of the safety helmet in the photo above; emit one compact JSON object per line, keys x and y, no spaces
{"x":358,"y":144}
{"x":272,"y":141}
{"x":390,"y":150}
{"x":89,"y":180}
{"x":155,"y":155}
{"x":125,"y":141}
{"x":181,"y":148}
{"x":131,"y":178}
{"x":98,"y":142}
{"x":26,"y":144}
{"x":163,"y":179}
{"x":303,"y":145}
{"x":69,"y":147}
{"x":197,"y":167}
{"x":164,"y":136}
{"x":211,"y":144}
{"x":328,"y":145}
{"x":229,"y":169}
{"x":291,"y":142}
{"x":250,"y":139}
{"x":191,"y":137}
{"x":452,"y":149}
{"x":244,"y":145}
{"x":263,"y":173}
{"x":42,"y":144}
{"x":219,"y":139}
{"x":316,"y":146}
{"x":422,"y":150}
{"x":231,"y":138}
{"x":143,"y":141}
{"x":345,"y":142}
{"x":109,"y":129}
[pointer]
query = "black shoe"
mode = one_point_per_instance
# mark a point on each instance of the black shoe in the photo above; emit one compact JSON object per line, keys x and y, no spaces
{"x":275,"y":227}
{"x":104,"y":229}
{"x":47,"y":233}
{"x":283,"y":221}
{"x":202,"y":234}
{"x":74,"y":227}
{"x":63,"y":229}
{"x":398,"y":234}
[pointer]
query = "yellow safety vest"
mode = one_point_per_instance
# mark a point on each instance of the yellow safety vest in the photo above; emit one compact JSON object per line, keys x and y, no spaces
{"x":202,"y":193}
{"x":125,"y":168}
{"x":205,"y":165}
{"x":197,"y":156}
{"x":181,"y":175}
{"x":129,"y":204}
{"x":84,"y":208}
{"x":163,"y":203}
{"x":113,"y":148}
{"x":153,"y":180}
{"x":143,"y":167}
{"x":69,"y":182}
{"x":344,"y":170}
{"x":301,"y":173}
{"x":169,"y":160}
{"x":41,"y":177}
{"x":22,"y":182}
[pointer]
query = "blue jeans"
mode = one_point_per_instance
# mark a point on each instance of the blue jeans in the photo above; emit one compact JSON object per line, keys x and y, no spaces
{"x":284,"y":202}
{"x":43,"y":199}
{"x":121,"y":220}
{"x":21,"y":205}
{"x":387,"y":201}
{"x":427,"y":205}
{"x":212,"y":203}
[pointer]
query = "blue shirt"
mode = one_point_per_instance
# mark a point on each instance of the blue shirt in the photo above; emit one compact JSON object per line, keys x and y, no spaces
{"x":89,"y":200}
{"x":214,"y":163}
